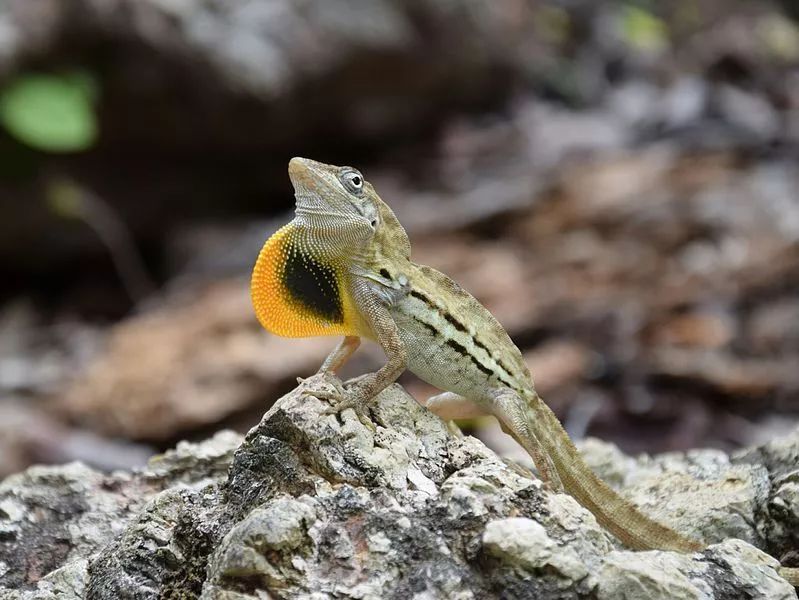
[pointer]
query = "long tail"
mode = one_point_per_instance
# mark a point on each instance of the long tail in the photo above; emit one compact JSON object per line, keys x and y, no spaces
{"x":614,"y":513}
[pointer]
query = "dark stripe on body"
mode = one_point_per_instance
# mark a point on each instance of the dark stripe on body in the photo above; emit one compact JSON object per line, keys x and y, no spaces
{"x":455,"y":323}
{"x":423,"y":298}
{"x":480,"y":344}
{"x":458,"y":347}
{"x":428,"y":326}
{"x":448,"y":317}
{"x":462,"y":350}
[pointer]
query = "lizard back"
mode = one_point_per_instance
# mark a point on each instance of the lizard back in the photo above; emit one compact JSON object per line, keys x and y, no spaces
{"x":453,"y":341}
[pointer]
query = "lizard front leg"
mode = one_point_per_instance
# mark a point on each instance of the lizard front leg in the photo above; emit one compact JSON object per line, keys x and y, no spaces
{"x":334,"y":361}
{"x":338,"y":357}
{"x":373,"y":308}
{"x":340,"y":354}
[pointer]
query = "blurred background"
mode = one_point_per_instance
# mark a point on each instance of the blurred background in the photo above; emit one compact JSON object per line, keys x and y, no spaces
{"x":617,"y":181}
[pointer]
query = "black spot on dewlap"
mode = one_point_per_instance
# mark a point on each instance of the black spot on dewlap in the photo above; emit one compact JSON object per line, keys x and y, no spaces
{"x":313,"y":285}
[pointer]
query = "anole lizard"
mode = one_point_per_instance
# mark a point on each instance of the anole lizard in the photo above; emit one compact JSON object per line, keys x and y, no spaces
{"x":342,"y":266}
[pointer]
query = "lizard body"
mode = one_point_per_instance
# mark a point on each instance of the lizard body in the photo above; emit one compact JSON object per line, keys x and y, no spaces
{"x":343,"y":267}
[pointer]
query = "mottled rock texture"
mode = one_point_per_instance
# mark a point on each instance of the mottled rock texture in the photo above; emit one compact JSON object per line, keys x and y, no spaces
{"x":310,"y":505}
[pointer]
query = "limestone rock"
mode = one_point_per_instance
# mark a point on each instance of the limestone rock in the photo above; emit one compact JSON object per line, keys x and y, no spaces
{"x":312,"y":505}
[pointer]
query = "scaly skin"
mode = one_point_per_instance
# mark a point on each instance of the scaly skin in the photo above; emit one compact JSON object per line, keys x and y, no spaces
{"x":343,"y":267}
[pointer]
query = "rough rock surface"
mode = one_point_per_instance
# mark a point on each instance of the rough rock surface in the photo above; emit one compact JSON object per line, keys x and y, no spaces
{"x":310,"y":505}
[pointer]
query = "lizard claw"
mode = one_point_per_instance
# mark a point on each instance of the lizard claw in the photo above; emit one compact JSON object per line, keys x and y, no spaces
{"x":331,"y":388}
{"x":335,"y":393}
{"x":358,"y":406}
{"x":354,"y":401}
{"x":342,"y":399}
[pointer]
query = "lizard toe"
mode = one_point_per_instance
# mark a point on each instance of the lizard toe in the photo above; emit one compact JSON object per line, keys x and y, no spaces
{"x":331,"y":391}
{"x":360,"y":408}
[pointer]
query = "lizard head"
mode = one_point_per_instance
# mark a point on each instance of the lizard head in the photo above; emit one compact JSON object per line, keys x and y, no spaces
{"x":329,"y":196}
{"x":343,"y":209}
{"x":340,"y":226}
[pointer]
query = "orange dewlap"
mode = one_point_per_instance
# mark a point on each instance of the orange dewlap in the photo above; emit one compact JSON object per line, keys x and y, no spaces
{"x":294,"y":295}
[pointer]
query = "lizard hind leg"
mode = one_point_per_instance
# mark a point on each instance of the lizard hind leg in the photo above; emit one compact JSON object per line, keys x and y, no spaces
{"x":512,"y":416}
{"x":449,"y":405}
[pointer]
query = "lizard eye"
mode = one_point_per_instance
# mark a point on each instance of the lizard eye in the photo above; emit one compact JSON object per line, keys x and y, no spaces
{"x":352,"y":181}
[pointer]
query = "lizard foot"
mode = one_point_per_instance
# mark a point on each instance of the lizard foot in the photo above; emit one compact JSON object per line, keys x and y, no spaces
{"x":342,"y":397}
{"x":360,"y":407}
{"x":332,"y":389}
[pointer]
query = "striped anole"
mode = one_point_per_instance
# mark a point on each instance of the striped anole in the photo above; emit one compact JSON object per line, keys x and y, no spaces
{"x":342,"y":266}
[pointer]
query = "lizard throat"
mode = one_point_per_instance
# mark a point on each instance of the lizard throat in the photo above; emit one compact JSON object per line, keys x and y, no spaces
{"x":297,"y":295}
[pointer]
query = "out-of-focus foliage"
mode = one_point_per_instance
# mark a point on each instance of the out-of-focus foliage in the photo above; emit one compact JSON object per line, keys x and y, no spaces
{"x":642,"y":30}
{"x":781,"y":37}
{"x":54,"y":113}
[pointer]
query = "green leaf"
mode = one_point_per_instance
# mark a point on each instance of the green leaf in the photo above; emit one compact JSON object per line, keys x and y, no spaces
{"x":643,"y":30}
{"x":54,"y":113}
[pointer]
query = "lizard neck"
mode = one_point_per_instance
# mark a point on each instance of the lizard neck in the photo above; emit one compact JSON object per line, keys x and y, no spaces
{"x":390,"y":245}
{"x":297,"y":291}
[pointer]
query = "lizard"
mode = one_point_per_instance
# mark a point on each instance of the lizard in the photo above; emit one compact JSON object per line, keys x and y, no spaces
{"x":342,"y":267}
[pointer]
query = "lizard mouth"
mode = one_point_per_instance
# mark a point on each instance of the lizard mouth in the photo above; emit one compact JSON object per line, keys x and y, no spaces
{"x":318,"y":192}
{"x":307,"y":176}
